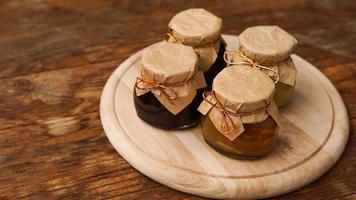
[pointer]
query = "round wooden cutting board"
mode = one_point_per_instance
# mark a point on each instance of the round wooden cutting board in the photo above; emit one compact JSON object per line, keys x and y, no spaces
{"x":313,"y":137}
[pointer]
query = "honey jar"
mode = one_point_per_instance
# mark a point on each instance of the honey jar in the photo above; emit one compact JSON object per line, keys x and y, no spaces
{"x":268,"y":48}
{"x":241,"y":118}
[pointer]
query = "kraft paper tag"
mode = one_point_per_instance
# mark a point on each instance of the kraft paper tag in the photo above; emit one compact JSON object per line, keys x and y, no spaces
{"x":207,"y":54}
{"x":217,"y":118}
{"x":205,"y":107}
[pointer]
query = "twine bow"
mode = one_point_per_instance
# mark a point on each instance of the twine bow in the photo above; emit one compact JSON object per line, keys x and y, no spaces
{"x":165,"y":89}
{"x":227,"y":126}
{"x":246,"y":60}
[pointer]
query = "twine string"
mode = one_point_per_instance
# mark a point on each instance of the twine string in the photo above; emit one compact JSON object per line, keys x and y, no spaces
{"x":246,"y":60}
{"x":227,"y":125}
{"x":165,"y":89}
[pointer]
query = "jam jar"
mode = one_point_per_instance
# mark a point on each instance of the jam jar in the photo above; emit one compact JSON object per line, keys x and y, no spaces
{"x":286,"y":84}
{"x":165,"y":93}
{"x":201,"y":30}
{"x":268,"y":48}
{"x":241,"y":119}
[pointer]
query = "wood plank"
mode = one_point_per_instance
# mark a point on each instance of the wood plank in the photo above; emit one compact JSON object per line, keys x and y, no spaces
{"x":46,"y":47}
{"x":38,"y":38}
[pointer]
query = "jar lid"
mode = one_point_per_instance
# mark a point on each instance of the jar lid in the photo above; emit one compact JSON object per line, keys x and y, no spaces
{"x":169,"y":62}
{"x":266,"y":44}
{"x":170,"y":72}
{"x":242,"y":85}
{"x":240,"y":95}
{"x":195,"y":27}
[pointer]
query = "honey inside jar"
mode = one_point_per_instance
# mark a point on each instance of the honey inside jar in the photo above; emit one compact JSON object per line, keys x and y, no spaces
{"x":257,"y":139}
{"x":283,"y":94}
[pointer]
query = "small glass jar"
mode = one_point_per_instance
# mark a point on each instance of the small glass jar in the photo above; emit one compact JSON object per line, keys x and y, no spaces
{"x":201,"y":30}
{"x":257,"y":140}
{"x":271,"y":47}
{"x":168,"y":91}
{"x":241,"y":119}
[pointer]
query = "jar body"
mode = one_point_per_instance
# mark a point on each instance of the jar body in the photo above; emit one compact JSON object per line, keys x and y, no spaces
{"x":218,"y":65}
{"x":283,"y":93}
{"x":150,"y":110}
{"x":256,"y":141}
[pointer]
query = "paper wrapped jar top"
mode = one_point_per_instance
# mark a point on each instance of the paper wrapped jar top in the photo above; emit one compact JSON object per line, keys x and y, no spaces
{"x":242,"y":88}
{"x":243,"y":91}
{"x":201,"y":30}
{"x":267,"y":45}
{"x":195,"y":27}
{"x":170,"y":72}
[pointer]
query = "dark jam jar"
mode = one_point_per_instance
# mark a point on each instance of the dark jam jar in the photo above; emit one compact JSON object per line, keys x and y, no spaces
{"x":201,"y":30}
{"x":165,"y":93}
{"x":150,"y":110}
{"x":218,"y":65}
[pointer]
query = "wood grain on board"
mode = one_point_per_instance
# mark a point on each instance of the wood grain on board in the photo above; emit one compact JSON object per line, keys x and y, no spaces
{"x":312,"y":138}
{"x":56,"y":56}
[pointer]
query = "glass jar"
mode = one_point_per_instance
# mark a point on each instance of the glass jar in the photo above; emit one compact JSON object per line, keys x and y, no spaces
{"x":257,"y":140}
{"x":271,"y":46}
{"x":240,"y":117}
{"x":218,"y":65}
{"x":168,"y":89}
{"x":150,"y":110}
{"x":283,"y":93}
{"x":200,"y":29}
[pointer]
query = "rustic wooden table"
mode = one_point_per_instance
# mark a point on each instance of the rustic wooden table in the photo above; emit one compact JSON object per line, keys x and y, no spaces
{"x":56,"y":56}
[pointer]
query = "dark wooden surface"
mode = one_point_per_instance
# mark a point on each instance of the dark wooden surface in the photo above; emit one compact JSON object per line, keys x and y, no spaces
{"x":57,"y":54}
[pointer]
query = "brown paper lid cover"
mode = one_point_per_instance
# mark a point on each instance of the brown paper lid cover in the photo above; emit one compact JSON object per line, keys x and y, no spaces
{"x":170,"y":72}
{"x":169,"y":62}
{"x":287,"y":72}
{"x":285,"y":69}
{"x":195,"y":26}
{"x":243,"y":88}
{"x":267,"y":44}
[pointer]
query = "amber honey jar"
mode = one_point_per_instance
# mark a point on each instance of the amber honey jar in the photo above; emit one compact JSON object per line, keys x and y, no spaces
{"x":165,"y":93}
{"x":241,"y":118}
{"x":268,"y":48}
{"x":201,"y":30}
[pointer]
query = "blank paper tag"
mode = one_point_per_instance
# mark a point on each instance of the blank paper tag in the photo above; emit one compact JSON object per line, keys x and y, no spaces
{"x":205,"y":107}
